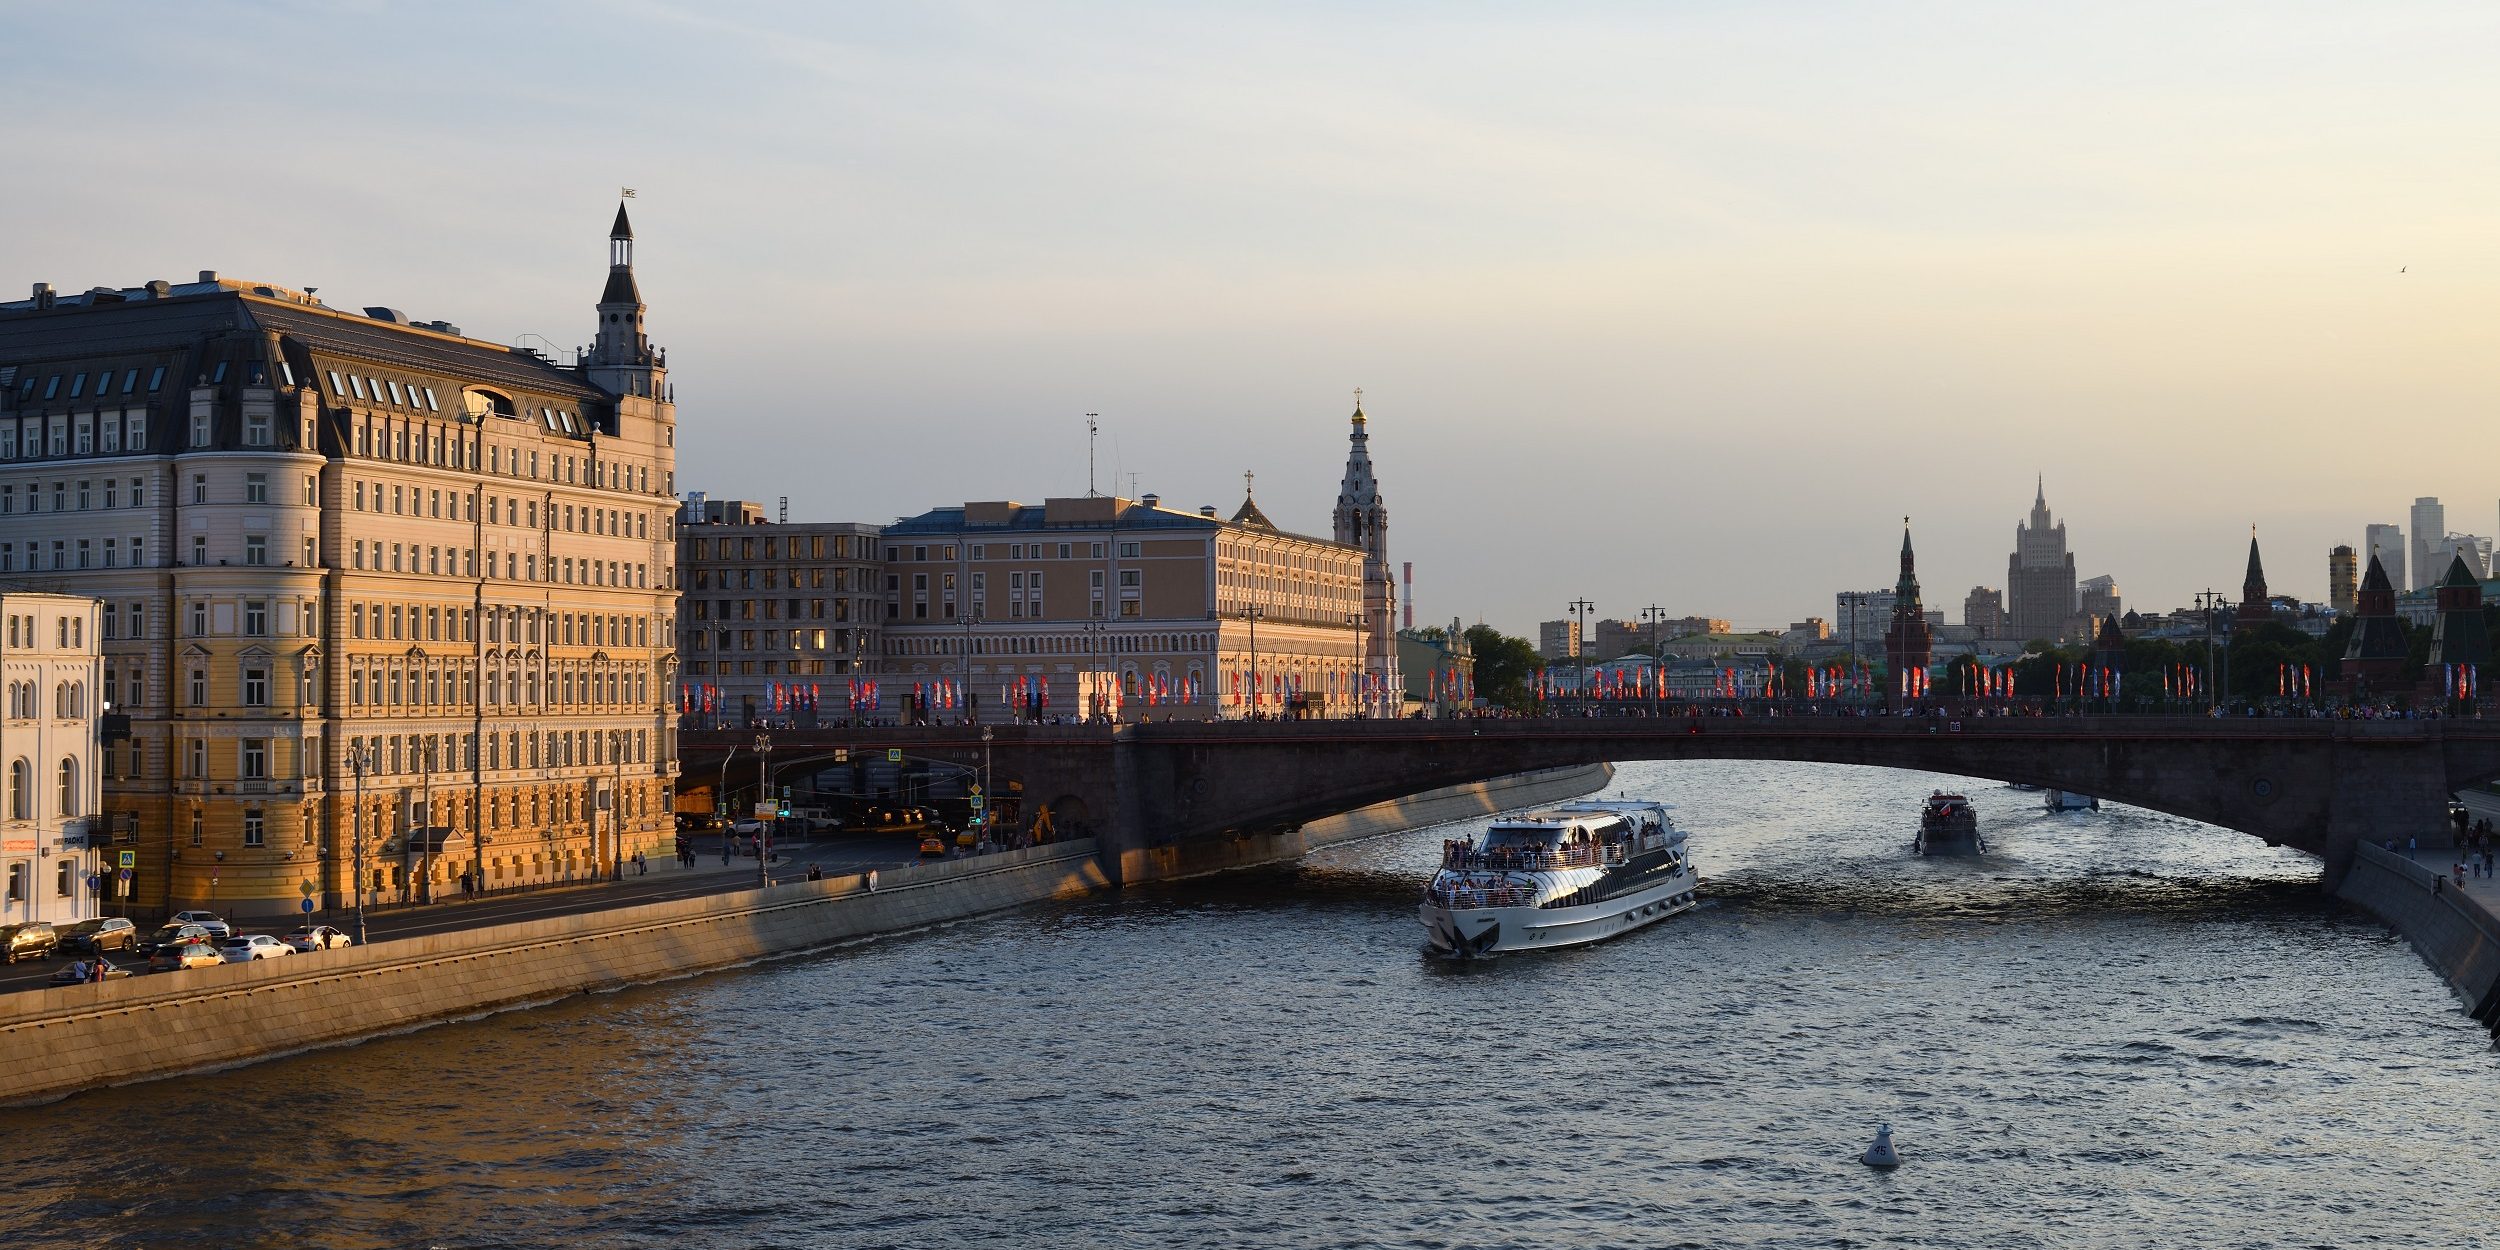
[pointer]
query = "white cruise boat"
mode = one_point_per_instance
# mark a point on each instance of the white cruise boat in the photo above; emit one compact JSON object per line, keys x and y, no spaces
{"x":1562,"y":876}
{"x":2069,"y":801}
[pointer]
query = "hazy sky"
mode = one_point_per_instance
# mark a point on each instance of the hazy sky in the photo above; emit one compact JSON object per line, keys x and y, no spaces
{"x":1681,"y":304}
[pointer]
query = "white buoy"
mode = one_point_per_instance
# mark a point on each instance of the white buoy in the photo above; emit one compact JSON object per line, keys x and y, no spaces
{"x":1881,"y":1154}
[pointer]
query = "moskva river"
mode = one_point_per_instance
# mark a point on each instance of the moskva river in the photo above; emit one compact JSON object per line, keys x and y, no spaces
{"x":2118,"y":1029}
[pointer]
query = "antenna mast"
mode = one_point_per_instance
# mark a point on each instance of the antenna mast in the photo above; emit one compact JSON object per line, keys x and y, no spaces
{"x":1090,"y":431}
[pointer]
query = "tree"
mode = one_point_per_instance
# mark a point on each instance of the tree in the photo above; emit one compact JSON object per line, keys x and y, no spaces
{"x":1506,"y":667}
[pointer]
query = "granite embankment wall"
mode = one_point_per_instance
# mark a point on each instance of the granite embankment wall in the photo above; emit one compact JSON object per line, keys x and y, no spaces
{"x":1179,"y":861}
{"x":2455,"y":932}
{"x":57,"y":1041}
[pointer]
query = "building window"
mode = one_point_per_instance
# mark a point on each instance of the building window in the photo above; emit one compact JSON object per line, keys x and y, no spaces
{"x":255,"y":687}
{"x":256,"y":429}
{"x":199,"y":687}
{"x":256,"y":618}
{"x":255,"y":759}
{"x":255,"y":827}
{"x":256,"y":549}
{"x":69,"y":788}
{"x":255,"y":488}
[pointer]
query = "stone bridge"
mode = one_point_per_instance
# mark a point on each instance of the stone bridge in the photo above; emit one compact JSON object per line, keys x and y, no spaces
{"x":1178,"y":798}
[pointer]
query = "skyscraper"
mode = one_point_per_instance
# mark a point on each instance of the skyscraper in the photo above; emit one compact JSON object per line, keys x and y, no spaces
{"x":2430,"y":524}
{"x":2040,"y":575}
{"x":2385,"y":544}
{"x":2343,"y":579}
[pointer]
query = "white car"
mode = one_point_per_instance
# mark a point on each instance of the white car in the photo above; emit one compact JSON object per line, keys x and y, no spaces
{"x":205,"y":919}
{"x":245,"y":947}
{"x":319,"y":937}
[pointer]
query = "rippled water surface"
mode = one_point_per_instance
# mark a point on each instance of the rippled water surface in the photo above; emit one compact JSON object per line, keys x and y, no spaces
{"x":2118,"y":1029}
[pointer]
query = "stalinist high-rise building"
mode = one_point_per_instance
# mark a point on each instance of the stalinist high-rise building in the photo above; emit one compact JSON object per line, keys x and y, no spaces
{"x":2039,"y":576}
{"x":1363,"y":521}
{"x":381,"y":601}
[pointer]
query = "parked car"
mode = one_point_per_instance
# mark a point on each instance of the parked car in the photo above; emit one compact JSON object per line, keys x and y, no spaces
{"x":205,"y":919}
{"x":245,"y":947}
{"x":176,"y":956}
{"x":27,"y":939}
{"x":100,"y":934}
{"x":697,"y":822}
{"x":88,"y":971}
{"x":751,"y":827}
{"x":810,"y":821}
{"x":176,"y":935}
{"x":317,"y":937}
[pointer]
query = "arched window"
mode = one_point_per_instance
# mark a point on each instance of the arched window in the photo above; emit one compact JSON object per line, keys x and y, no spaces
{"x":21,"y":790}
{"x":69,"y":787}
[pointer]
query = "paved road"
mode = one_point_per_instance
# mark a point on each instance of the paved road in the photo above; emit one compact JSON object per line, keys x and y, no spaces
{"x":665,"y":881}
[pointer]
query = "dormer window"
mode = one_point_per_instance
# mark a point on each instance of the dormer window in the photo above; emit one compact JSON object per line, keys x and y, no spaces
{"x":358,"y":384}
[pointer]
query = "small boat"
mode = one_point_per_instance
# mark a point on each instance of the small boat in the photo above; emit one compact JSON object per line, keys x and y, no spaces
{"x":1948,"y":826}
{"x":2069,"y":801}
{"x":1580,"y":872}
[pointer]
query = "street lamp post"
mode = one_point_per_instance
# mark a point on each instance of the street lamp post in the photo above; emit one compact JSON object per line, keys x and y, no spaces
{"x":425,"y":803}
{"x":2210,"y":602}
{"x":1252,"y":613}
{"x":616,"y":803}
{"x":1580,"y":609}
{"x":764,"y":788}
{"x":359,"y":760}
{"x":1657,"y":677}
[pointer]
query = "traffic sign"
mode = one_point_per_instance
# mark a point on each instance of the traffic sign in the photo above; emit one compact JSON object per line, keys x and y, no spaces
{"x":975,"y":787}
{"x":894,"y":755}
{"x":978,"y":802}
{"x":94,"y":882}
{"x":308,"y":908}
{"x":125,"y":874}
{"x":130,"y":859}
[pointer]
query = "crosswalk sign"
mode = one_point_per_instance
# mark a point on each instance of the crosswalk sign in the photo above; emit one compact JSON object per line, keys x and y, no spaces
{"x":129,"y":859}
{"x":894,"y":755}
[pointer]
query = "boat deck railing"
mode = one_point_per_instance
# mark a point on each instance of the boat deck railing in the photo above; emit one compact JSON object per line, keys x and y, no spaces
{"x":1473,"y":897}
{"x":1465,"y":857}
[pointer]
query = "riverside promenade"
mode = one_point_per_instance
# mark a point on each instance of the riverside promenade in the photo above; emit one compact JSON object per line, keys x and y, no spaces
{"x":2454,"y":924}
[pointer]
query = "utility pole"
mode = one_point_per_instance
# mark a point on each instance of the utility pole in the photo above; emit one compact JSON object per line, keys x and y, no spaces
{"x":1580,"y":609}
{"x":1091,"y":430}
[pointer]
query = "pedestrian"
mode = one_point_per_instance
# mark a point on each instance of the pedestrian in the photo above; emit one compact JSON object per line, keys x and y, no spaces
{"x":2412,"y":845}
{"x":815,"y":873}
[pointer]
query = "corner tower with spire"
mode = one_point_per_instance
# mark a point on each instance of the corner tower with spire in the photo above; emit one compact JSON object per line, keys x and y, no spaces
{"x":1909,"y":646}
{"x":1362,"y":520}
{"x":2255,"y":608}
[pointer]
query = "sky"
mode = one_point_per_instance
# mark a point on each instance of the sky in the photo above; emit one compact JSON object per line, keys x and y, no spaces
{"x":1684,"y":304}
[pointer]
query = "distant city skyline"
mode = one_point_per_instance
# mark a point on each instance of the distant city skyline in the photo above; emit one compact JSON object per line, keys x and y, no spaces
{"x":1637,"y":297}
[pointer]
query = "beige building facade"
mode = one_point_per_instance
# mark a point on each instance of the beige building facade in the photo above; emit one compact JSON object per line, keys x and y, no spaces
{"x":385,"y":604}
{"x":51,"y":833}
{"x":777,"y":619}
{"x":1104,"y":605}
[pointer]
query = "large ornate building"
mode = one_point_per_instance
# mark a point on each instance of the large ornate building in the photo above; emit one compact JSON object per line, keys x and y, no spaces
{"x":366,"y":583}
{"x":1101,"y":604}
{"x":2040,"y":576}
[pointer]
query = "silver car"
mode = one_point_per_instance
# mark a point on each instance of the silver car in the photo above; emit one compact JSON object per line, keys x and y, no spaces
{"x":245,"y":947}
{"x":205,"y":919}
{"x":319,"y":937}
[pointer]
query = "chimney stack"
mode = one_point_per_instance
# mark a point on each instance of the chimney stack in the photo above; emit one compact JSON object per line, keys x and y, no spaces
{"x":1410,"y":594}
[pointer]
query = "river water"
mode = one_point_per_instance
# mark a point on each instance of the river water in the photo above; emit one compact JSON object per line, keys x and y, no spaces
{"x":2118,"y":1029}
